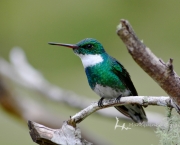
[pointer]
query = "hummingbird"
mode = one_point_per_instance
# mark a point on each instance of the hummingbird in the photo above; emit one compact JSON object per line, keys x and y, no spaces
{"x":106,"y":76}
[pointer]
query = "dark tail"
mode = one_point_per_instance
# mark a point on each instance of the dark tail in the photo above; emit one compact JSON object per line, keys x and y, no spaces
{"x":133,"y":111}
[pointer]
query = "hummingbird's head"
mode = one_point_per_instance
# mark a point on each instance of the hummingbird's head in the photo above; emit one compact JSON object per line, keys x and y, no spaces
{"x":89,"y":46}
{"x":84,"y":47}
{"x":89,"y":50}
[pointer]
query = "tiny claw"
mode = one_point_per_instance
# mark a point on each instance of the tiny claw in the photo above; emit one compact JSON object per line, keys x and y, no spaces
{"x":118,"y":98}
{"x":100,"y":104}
{"x":71,"y":122}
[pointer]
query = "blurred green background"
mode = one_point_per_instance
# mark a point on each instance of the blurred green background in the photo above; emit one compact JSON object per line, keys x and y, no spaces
{"x":32,"y":24}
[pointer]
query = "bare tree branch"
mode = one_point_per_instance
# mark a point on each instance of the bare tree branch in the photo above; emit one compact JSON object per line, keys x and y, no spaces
{"x":162,"y":73}
{"x":141,"y":100}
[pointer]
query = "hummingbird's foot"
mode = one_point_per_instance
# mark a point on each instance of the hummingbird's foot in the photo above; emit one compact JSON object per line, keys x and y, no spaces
{"x":100,"y":104}
{"x":118,"y":98}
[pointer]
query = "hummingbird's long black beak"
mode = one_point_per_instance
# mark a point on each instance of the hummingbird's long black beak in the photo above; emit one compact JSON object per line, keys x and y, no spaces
{"x":62,"y":44}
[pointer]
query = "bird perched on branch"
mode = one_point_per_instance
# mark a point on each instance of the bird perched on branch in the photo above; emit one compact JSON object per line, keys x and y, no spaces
{"x":106,"y":76}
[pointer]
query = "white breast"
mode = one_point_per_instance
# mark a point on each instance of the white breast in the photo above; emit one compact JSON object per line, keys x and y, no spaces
{"x":90,"y":60}
{"x":108,"y":92}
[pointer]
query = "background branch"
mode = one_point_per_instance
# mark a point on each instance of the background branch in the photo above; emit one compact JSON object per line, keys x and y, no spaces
{"x":21,"y":72}
{"x":24,"y":108}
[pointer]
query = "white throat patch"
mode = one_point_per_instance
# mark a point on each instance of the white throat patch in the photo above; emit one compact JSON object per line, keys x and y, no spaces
{"x":90,"y":60}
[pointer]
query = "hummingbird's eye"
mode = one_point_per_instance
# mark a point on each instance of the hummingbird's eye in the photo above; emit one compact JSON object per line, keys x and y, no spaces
{"x":88,"y":46}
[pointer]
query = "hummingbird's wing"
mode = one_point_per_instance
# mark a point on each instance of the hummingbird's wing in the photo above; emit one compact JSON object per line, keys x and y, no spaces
{"x":123,"y":75}
{"x":134,"y":111}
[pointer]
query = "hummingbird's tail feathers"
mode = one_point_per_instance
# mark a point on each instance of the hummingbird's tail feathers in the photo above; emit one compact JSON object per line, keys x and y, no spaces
{"x":135,"y":112}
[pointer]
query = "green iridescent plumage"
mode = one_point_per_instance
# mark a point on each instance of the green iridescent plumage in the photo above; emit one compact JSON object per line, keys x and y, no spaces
{"x":104,"y":73}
